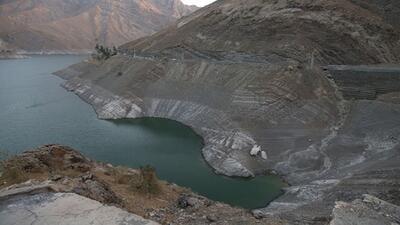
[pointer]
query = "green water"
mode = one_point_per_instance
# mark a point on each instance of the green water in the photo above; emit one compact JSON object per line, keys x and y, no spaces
{"x":35,"y":110}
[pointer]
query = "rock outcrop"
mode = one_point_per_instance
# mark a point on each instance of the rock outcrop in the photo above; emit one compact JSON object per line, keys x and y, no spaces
{"x":369,"y":211}
{"x":66,"y":26}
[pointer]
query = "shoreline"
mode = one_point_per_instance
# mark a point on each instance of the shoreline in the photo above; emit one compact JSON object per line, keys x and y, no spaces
{"x":129,"y":110}
{"x":27,"y":55}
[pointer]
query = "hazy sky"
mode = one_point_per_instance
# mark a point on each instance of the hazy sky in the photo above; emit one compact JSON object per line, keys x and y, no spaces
{"x":197,"y":2}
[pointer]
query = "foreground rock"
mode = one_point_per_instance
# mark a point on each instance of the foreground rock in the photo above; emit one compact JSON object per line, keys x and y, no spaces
{"x":63,"y":209}
{"x":56,"y":184}
{"x":45,"y":185}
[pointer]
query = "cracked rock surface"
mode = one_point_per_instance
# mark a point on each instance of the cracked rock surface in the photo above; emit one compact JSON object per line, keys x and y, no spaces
{"x":63,"y":209}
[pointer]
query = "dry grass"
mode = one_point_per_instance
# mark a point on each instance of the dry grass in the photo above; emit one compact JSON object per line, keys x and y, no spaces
{"x":10,"y":173}
{"x":13,"y":175}
{"x":143,"y":181}
{"x":121,"y":180}
{"x":13,"y":171}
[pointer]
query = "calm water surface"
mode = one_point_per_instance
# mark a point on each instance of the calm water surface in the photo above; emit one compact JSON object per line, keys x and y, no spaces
{"x":35,"y":110}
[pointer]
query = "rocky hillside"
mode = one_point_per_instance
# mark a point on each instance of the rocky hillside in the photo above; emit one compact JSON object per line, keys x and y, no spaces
{"x":75,"y":25}
{"x":335,"y":32}
{"x":248,"y":77}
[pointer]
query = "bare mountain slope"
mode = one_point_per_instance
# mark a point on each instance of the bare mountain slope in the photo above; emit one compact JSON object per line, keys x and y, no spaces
{"x":71,"y":25}
{"x":337,"y":31}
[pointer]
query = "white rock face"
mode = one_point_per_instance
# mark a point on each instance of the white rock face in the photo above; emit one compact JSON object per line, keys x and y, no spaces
{"x":255,"y":150}
{"x":264,"y":155}
{"x":64,"y":209}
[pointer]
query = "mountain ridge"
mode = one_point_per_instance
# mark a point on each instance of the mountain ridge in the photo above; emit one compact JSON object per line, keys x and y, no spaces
{"x":76,"y":25}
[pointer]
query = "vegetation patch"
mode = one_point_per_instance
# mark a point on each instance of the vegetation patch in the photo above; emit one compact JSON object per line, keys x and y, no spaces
{"x":11,"y":173}
{"x":104,"y":52}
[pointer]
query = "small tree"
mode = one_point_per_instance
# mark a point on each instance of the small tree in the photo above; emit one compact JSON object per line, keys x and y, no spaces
{"x":104,"y":53}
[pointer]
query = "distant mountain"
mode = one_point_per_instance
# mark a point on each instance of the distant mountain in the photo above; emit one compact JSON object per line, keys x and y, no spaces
{"x":74,"y":25}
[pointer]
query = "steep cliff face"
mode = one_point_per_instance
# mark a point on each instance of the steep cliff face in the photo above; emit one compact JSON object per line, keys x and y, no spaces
{"x":246,"y":74}
{"x":71,"y":25}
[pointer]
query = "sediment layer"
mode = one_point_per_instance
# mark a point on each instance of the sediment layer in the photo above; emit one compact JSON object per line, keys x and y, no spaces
{"x":233,"y":106}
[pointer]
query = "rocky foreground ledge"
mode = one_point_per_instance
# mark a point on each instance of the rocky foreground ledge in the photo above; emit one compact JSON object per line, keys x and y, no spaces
{"x":57,"y":185}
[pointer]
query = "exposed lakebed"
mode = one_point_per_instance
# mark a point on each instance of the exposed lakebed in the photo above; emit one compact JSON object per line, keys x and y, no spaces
{"x":35,"y":110}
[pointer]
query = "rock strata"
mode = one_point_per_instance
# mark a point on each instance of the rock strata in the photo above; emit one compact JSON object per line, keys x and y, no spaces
{"x":366,"y":82}
{"x":246,"y":105}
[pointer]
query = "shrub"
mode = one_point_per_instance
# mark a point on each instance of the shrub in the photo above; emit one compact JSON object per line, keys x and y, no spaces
{"x":147,"y":181}
{"x":11,"y":173}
